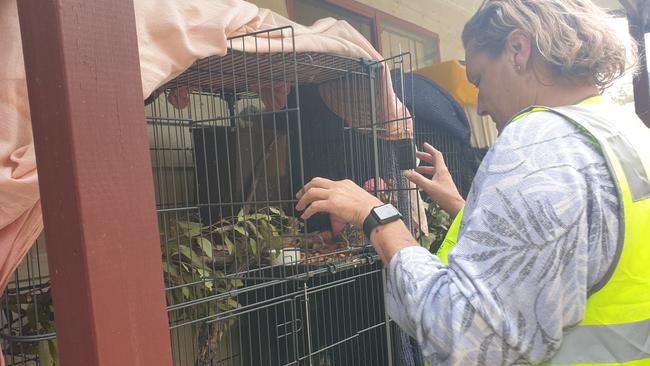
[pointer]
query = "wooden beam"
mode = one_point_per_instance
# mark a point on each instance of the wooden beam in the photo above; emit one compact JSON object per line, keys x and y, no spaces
{"x":85,"y":94}
{"x":641,"y":84}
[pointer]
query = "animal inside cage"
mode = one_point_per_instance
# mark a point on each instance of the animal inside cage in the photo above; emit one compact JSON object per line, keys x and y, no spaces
{"x":232,"y":140}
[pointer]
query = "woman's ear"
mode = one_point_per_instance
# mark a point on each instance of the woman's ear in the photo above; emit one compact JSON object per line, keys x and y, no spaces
{"x":519,"y":47}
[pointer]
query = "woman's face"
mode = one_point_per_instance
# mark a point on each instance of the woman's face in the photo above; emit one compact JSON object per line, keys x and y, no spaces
{"x":504,"y":90}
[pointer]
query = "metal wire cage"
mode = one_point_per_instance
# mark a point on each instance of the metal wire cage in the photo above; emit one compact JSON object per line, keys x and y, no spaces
{"x":232,"y":141}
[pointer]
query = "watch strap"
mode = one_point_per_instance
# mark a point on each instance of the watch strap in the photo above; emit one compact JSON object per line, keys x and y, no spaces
{"x":373,"y":220}
{"x":369,"y":224}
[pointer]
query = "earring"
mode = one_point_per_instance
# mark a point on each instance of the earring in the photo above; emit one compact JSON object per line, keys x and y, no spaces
{"x":517,"y":67}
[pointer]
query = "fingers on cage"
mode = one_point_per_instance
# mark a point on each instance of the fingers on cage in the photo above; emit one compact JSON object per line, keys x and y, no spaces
{"x":321,"y":182}
{"x":424,"y":156}
{"x":311,"y":195}
{"x":427,"y":170}
{"x":317,"y":182}
{"x":418,"y":178}
{"x":438,"y":159}
{"x":314,"y":208}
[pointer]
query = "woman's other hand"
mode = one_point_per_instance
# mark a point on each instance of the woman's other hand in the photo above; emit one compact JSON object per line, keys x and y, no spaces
{"x":342,"y":198}
{"x":440,"y":187}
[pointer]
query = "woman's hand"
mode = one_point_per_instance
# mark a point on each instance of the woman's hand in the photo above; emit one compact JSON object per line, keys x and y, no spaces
{"x":440,"y":187}
{"x":352,"y":204}
{"x":343,"y":198}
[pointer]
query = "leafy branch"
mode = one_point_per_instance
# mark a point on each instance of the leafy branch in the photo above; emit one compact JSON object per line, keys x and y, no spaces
{"x":197,"y":258}
{"x":439,"y":222}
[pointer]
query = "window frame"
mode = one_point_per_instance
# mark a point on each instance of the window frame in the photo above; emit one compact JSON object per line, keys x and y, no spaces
{"x":377,"y":18}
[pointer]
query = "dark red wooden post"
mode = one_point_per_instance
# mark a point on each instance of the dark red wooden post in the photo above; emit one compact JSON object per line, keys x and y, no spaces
{"x":83,"y":75}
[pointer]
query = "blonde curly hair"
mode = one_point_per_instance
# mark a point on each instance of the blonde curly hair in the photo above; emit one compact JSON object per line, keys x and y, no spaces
{"x":575,"y":37}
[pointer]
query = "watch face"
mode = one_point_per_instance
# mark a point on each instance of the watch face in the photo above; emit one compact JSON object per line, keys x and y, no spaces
{"x":386,"y":212}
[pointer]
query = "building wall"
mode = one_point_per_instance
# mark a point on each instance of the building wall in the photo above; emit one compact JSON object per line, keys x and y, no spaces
{"x":278,"y":6}
{"x":444,"y":17}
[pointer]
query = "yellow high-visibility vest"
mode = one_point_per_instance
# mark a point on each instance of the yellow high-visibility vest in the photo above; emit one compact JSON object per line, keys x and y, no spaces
{"x":616,"y":326}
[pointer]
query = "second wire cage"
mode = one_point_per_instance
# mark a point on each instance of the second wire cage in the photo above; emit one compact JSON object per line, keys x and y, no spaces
{"x":232,"y":140}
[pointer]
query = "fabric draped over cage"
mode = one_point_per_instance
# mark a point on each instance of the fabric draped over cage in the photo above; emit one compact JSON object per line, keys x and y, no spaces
{"x":164,"y":59}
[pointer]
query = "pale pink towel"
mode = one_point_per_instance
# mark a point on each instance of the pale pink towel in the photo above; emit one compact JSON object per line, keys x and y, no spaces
{"x":20,"y":210}
{"x":172,"y":35}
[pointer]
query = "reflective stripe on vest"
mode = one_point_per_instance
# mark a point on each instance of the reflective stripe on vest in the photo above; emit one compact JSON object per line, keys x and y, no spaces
{"x":616,"y":325}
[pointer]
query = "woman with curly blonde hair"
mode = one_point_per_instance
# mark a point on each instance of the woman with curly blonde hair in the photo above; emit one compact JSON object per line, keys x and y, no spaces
{"x":547,"y":261}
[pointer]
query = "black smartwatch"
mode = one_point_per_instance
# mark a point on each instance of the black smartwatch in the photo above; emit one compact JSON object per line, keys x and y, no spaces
{"x":380,"y":215}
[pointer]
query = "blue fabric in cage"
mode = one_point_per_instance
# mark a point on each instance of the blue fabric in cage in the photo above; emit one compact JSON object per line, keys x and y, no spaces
{"x":431,"y":104}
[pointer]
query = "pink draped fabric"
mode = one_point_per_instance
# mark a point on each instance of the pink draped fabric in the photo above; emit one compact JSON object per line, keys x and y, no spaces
{"x":20,"y":209}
